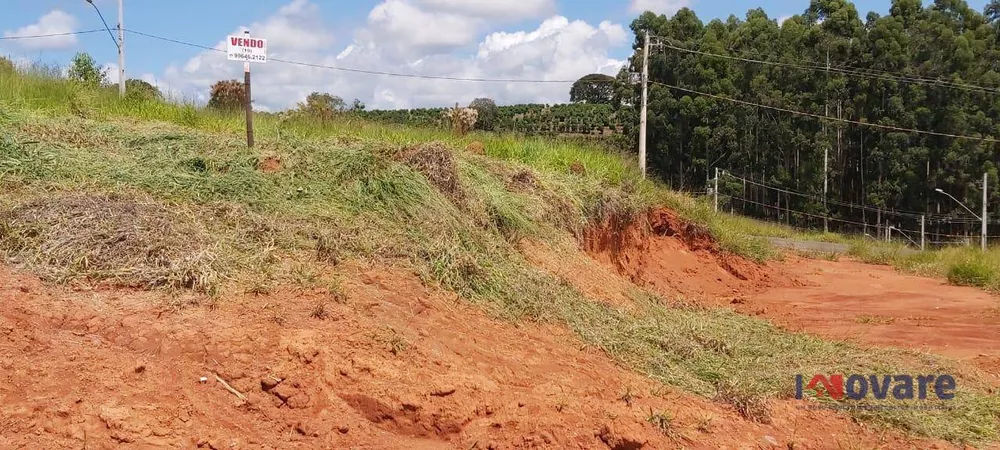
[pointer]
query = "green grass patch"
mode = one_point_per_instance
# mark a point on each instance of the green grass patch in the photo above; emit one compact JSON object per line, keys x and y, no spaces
{"x":972,"y":272}
{"x":965,"y":266}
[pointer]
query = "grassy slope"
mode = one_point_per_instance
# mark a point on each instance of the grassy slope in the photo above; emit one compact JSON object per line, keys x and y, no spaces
{"x":342,"y":191}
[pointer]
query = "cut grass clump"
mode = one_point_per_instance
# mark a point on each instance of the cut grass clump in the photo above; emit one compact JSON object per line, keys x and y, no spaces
{"x":125,"y":240}
{"x":747,"y":398}
{"x":437,"y":163}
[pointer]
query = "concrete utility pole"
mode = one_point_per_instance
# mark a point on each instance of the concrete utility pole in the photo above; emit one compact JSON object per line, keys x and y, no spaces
{"x":121,"y":49}
{"x":119,"y":42}
{"x":715,"y":190}
{"x":642,"y":117}
{"x":826,"y":151}
{"x":985,"y":199}
{"x":922,"y":222}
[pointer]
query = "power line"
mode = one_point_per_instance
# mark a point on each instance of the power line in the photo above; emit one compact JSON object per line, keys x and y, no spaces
{"x":822,"y":117}
{"x":106,"y":27}
{"x":364,"y":71}
{"x":850,"y":222}
{"x":848,"y":70}
{"x":38,"y":36}
{"x":930,"y":217}
{"x":911,"y":214}
{"x":803,"y":213}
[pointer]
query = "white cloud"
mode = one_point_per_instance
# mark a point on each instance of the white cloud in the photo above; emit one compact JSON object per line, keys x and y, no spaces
{"x":409,"y":29}
{"x":510,"y":10}
{"x":393,"y":41}
{"x":782,"y":19}
{"x":54,"y":22}
{"x":668,"y":7}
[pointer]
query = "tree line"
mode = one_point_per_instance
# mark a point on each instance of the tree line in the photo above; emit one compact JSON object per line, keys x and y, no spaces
{"x":931,"y":68}
{"x":578,"y":118}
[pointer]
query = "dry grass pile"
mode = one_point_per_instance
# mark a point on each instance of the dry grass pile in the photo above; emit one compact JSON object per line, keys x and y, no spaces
{"x":523,"y":181}
{"x":437,"y":163}
{"x":98,"y":238}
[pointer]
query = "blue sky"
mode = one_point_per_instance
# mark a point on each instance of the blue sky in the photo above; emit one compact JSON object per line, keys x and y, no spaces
{"x":418,"y":42}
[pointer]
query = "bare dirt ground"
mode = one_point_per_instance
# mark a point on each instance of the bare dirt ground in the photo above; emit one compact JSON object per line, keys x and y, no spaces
{"x":395,"y":366}
{"x":879,"y":306}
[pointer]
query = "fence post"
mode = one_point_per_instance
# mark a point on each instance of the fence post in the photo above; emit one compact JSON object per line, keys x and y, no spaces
{"x":249,"y":98}
{"x":921,"y":233}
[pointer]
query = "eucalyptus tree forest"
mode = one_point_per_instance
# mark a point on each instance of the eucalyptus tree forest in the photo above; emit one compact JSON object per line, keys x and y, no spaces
{"x":932,"y":68}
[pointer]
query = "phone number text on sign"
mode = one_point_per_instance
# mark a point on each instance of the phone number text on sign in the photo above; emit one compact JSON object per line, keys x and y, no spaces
{"x":248,"y":57}
{"x":247,"y":49}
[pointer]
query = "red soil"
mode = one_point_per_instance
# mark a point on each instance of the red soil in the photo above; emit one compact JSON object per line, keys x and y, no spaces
{"x":269,"y":164}
{"x":877,"y":305}
{"x":102,"y":369}
{"x":673,"y":257}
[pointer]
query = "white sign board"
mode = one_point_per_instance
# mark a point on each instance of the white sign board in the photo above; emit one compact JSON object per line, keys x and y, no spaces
{"x":247,"y":49}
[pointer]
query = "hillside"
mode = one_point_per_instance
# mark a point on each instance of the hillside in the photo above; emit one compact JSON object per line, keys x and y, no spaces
{"x":351,"y":283}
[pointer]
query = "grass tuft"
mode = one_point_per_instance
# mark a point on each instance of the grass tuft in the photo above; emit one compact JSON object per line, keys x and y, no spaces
{"x":971,"y":272}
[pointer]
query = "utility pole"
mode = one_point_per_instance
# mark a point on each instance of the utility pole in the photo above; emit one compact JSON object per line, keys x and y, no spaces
{"x":121,"y":49}
{"x":715,"y":190}
{"x":922,"y":221}
{"x":642,"y":117}
{"x":826,"y":149}
{"x":985,"y":177}
{"x":249,"y":106}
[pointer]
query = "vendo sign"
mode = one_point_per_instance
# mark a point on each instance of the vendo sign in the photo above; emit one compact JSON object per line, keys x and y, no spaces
{"x":247,"y":49}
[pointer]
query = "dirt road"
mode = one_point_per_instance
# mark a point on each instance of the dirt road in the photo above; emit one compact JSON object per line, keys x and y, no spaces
{"x":877,"y":305}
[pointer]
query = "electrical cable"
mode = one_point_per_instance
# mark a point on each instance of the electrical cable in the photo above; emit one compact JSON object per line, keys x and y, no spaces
{"x":38,"y":36}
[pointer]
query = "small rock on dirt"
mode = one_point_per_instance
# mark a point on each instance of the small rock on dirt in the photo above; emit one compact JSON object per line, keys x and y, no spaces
{"x":266,"y":384}
{"x":614,"y":441}
{"x":769,"y":441}
{"x":284,"y":391}
{"x":299,"y":401}
{"x":443,"y":391}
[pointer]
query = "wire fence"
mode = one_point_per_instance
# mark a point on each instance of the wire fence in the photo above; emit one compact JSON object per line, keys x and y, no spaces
{"x":740,"y":195}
